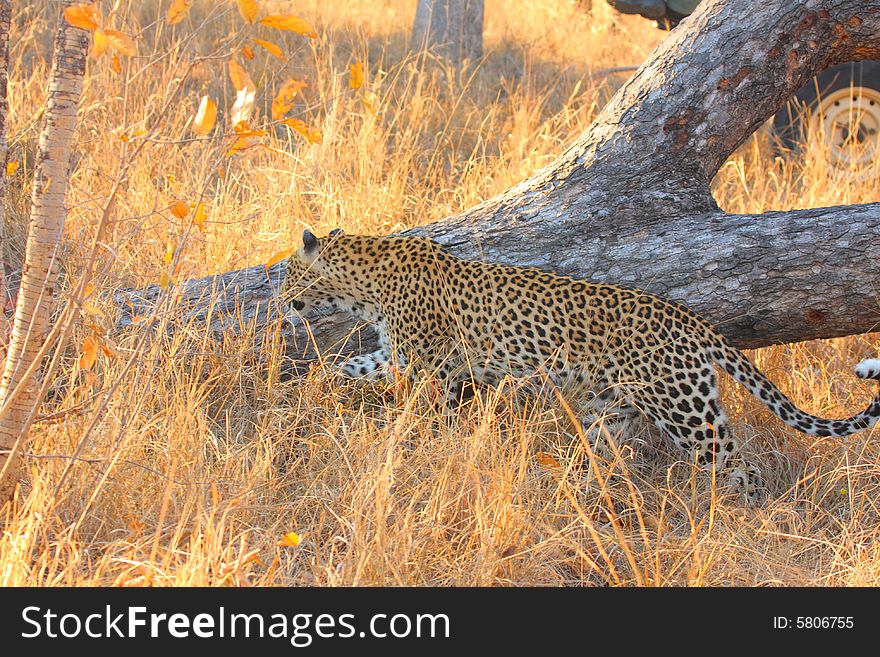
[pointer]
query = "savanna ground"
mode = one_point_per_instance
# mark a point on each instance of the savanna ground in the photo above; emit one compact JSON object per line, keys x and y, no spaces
{"x":194,"y":457}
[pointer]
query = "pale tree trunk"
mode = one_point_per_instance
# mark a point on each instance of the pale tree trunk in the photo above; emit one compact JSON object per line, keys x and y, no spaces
{"x":450,"y":29}
{"x":629,"y":200}
{"x":5,"y":22}
{"x":18,"y":389}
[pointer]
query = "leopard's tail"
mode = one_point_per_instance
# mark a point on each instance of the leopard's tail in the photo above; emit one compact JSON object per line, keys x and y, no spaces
{"x":744,"y":371}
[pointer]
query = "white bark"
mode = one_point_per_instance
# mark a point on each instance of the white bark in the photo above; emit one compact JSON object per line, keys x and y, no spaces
{"x":18,"y":389}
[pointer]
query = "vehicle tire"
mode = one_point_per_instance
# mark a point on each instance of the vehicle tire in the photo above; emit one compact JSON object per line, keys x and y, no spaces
{"x":842,"y":107}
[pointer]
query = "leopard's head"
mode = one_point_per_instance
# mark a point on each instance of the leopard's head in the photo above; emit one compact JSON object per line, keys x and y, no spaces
{"x":324,"y":273}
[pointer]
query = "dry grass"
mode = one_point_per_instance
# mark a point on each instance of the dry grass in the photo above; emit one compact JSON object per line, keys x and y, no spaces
{"x":205,"y":456}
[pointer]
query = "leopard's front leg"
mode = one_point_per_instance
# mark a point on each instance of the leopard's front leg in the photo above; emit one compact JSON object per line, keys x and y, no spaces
{"x":370,"y":366}
{"x":375,"y":364}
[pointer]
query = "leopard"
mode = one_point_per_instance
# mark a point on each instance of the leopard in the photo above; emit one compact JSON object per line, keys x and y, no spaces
{"x":471,"y":321}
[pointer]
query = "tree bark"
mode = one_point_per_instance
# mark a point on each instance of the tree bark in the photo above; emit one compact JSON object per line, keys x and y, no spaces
{"x":629,"y":201}
{"x":451,"y":29}
{"x":18,"y":389}
{"x":5,"y":22}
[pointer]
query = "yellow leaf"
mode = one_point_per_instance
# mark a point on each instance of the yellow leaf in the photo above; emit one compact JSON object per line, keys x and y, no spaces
{"x":284,"y":99}
{"x":121,"y":42}
{"x":271,"y":47}
{"x":169,"y":253}
{"x":206,"y":116}
{"x":248,"y":10}
{"x":290,"y":23}
{"x":278,"y":257}
{"x":312,"y":136}
{"x":88,"y":306}
{"x":166,"y":280}
{"x":356,"y":75}
{"x":115,"y":64}
{"x":179,"y":209}
{"x":11,"y":168}
{"x":99,"y":43}
{"x":201,"y":216}
{"x":240,"y":78}
{"x":247,"y":52}
{"x":178,"y":11}
{"x":290,"y":539}
{"x":85,"y":17}
{"x":89,"y":352}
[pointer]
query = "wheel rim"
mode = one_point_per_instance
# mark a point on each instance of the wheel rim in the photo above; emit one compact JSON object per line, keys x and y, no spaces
{"x":848,"y":123}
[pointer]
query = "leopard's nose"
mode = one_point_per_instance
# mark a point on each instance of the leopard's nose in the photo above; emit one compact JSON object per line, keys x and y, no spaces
{"x":296,"y":304}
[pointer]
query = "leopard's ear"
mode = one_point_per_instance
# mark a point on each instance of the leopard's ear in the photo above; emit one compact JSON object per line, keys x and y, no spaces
{"x":310,"y":242}
{"x":337,"y":232}
{"x":310,"y":248}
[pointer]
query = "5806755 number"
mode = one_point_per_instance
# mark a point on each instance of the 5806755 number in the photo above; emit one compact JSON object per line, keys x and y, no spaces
{"x":813,"y":622}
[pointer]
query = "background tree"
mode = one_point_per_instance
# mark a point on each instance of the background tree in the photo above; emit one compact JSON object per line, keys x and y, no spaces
{"x":18,"y":386}
{"x":451,"y":29}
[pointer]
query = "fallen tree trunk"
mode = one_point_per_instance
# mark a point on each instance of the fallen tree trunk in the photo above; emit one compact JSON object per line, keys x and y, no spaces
{"x":629,"y":201}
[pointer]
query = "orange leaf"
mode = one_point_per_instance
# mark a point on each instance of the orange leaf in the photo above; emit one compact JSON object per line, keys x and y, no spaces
{"x":109,"y":349}
{"x":206,"y":116}
{"x":115,"y":64}
{"x":312,"y":136}
{"x":284,"y":99}
{"x":11,"y":167}
{"x":271,"y":47}
{"x":290,"y":23}
{"x":99,"y":43}
{"x":240,"y":78}
{"x":241,"y":144}
{"x":278,"y":257}
{"x":543,"y":458}
{"x":125,"y":137}
{"x":85,"y":17}
{"x":248,"y":10}
{"x":178,"y":11}
{"x":179,"y":209}
{"x":89,"y":352}
{"x":121,"y":42}
{"x":356,"y":75}
{"x":247,"y":52}
{"x":290,"y":539}
{"x":243,"y":129}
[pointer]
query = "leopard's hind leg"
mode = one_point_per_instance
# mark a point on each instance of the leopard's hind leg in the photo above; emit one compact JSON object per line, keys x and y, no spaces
{"x":685,"y":406}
